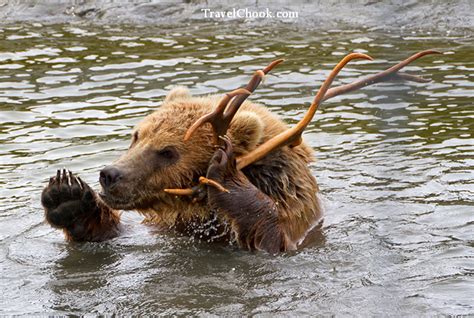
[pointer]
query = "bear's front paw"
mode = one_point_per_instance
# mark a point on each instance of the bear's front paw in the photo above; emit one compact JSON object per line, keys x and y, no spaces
{"x":66,"y":199}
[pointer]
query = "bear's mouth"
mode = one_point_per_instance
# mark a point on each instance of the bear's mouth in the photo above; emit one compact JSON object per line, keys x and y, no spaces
{"x":115,"y":202}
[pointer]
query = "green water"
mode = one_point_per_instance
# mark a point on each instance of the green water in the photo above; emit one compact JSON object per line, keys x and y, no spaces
{"x":394,"y":162}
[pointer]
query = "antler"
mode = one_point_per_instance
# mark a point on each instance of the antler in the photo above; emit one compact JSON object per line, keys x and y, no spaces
{"x":221,"y":117}
{"x":292,"y":136}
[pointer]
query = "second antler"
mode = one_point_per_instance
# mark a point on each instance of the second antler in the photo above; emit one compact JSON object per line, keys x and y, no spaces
{"x":222,"y":116}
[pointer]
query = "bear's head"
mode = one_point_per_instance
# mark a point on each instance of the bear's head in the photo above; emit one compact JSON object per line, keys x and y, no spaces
{"x":158,"y":158}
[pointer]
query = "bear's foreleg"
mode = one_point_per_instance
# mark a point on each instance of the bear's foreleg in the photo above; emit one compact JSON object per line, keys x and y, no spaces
{"x":253,"y":214}
{"x":71,"y":205}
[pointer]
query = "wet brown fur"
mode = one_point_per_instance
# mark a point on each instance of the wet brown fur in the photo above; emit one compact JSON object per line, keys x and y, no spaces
{"x":99,"y":226}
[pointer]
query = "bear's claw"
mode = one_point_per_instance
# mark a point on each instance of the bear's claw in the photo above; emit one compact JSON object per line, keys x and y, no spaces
{"x":66,"y":198}
{"x":223,"y":164}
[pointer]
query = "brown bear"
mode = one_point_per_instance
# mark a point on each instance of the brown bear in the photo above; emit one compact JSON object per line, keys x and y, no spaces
{"x":258,"y":192}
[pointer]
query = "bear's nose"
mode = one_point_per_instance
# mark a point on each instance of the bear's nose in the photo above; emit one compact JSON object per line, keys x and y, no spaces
{"x":109,"y":176}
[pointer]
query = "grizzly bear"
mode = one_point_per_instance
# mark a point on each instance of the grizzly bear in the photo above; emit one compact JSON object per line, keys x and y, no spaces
{"x":258,"y":190}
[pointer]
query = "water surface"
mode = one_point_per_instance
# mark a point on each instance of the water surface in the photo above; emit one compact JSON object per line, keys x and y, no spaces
{"x":394,"y":162}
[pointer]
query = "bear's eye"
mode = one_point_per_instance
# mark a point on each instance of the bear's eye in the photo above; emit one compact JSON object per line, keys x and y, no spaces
{"x":169,"y":154}
{"x":165,"y":154}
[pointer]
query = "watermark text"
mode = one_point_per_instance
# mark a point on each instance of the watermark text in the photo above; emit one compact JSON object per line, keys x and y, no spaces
{"x":246,"y":13}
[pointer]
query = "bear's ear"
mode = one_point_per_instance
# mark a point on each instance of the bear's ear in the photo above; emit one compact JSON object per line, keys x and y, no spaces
{"x":177,"y":92}
{"x":245,"y":131}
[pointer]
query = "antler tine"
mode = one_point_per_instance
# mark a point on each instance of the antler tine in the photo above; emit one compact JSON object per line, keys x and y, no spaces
{"x":187,"y":191}
{"x":292,"y":136}
{"x":221,"y":117}
{"x":388,"y":74}
{"x":192,"y":191}
{"x":251,"y":86}
{"x":215,"y":117}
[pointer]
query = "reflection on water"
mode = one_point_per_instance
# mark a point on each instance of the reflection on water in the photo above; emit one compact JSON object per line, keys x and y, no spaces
{"x":394,"y":162}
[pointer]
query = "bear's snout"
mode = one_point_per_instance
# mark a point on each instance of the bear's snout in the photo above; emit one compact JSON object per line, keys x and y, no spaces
{"x":109,"y":176}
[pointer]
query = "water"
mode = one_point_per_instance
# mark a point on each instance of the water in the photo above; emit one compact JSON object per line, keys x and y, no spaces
{"x":394,"y":163}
